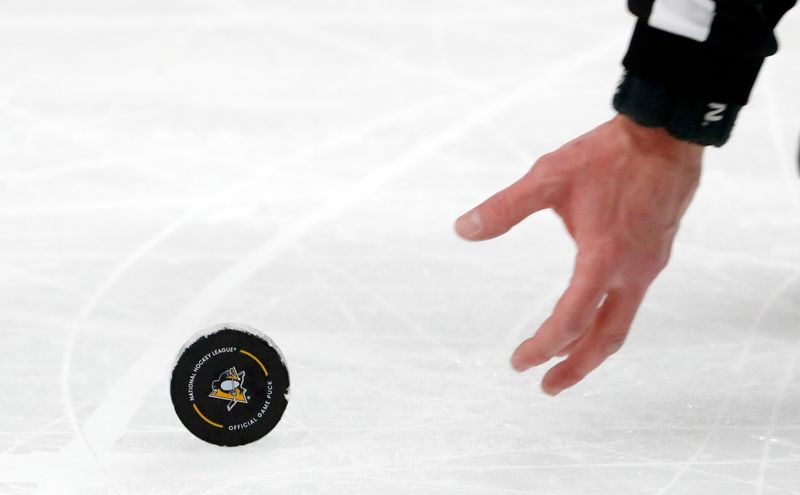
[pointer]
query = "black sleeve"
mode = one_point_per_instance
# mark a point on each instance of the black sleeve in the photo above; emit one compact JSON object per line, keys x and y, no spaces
{"x":691,"y":64}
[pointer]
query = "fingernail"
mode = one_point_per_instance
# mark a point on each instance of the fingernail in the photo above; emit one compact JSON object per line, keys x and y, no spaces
{"x":553,"y":392}
{"x":518,"y":366}
{"x":469,"y":224}
{"x":613,"y":346}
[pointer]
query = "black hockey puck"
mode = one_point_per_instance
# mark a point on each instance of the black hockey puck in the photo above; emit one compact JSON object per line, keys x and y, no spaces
{"x":230,"y":385}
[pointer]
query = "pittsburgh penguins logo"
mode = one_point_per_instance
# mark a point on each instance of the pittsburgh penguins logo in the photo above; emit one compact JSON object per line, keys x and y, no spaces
{"x":229,"y":386}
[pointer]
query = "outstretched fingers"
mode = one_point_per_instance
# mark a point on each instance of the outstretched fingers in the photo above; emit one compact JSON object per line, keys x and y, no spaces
{"x":573,"y":313}
{"x":604,"y":338}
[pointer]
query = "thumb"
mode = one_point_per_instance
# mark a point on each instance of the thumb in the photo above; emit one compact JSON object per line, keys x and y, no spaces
{"x":505,"y":209}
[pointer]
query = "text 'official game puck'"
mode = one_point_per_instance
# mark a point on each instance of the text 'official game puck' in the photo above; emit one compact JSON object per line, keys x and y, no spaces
{"x":230,"y":385}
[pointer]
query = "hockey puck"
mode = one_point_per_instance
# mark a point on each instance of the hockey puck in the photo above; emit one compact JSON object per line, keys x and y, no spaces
{"x":230,"y":385}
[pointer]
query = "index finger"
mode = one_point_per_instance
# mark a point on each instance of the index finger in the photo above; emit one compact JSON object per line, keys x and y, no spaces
{"x":574,"y":311}
{"x":605,"y":337}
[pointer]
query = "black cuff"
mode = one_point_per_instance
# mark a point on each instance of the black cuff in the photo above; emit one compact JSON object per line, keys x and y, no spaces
{"x":685,"y":116}
{"x":707,"y":70}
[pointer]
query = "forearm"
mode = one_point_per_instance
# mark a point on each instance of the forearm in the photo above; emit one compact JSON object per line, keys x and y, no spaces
{"x":692,"y":64}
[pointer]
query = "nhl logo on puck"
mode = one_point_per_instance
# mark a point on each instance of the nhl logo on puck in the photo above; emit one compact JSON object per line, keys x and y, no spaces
{"x":230,"y":385}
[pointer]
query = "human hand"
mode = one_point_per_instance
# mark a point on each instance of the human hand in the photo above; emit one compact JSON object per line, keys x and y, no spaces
{"x":621,"y":190}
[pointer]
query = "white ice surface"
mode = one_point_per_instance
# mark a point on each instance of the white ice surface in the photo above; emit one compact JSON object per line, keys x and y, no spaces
{"x":296,"y":166}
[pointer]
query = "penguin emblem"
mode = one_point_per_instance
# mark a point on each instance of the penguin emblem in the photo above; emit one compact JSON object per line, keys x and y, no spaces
{"x":229,"y":387}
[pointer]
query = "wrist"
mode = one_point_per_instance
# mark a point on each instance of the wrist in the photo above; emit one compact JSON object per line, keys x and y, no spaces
{"x":684,"y":116}
{"x":657,"y":141}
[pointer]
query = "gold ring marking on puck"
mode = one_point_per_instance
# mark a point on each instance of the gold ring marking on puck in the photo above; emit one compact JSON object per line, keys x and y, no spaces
{"x":256,"y":360}
{"x":197,"y":410}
